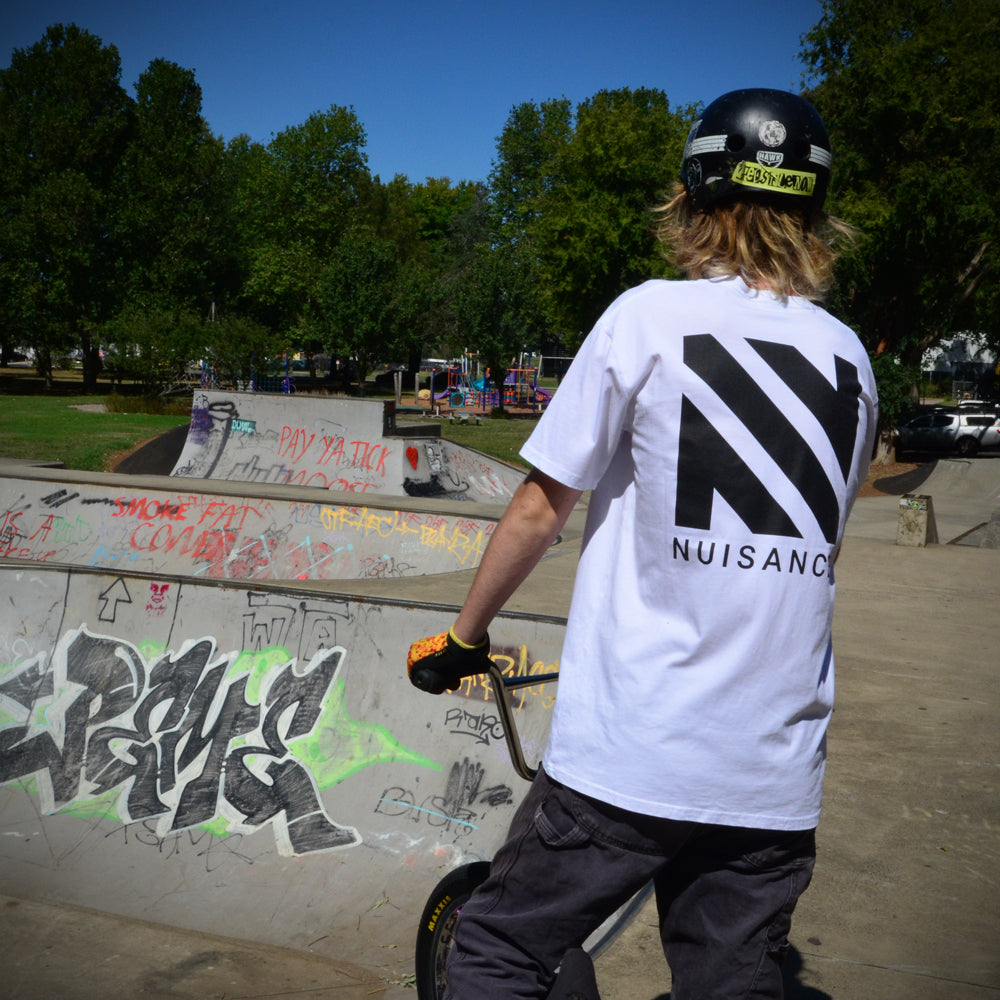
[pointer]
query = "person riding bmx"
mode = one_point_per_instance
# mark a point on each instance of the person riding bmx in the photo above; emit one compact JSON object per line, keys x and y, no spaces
{"x":724,"y":426}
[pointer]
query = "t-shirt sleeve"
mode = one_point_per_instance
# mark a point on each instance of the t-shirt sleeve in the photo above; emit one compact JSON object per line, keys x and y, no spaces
{"x":580,"y":430}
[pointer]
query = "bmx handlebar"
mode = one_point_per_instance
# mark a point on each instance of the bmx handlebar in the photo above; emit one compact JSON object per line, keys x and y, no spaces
{"x":501,"y":685}
{"x":427,"y":678}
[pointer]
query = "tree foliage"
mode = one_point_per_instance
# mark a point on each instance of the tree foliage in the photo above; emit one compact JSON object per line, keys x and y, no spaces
{"x":575,"y":190}
{"x":495,"y":303}
{"x":292,"y":202}
{"x":127,"y":223}
{"x":354,"y":308}
{"x":64,"y":122}
{"x":910,"y":90}
{"x":168,"y":208}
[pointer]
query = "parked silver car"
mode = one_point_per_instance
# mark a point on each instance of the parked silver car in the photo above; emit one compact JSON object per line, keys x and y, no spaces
{"x":966,"y":432}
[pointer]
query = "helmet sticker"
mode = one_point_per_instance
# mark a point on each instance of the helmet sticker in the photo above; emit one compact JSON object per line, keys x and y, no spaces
{"x":770,"y":158}
{"x":756,"y":175}
{"x":693,"y":175}
{"x":772,"y":133}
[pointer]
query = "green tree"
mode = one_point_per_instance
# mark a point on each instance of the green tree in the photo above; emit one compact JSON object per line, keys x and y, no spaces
{"x":237,"y":348}
{"x":623,"y":159}
{"x":169,"y":219}
{"x":293,"y":200}
{"x":353,"y":313}
{"x":575,"y":193}
{"x":321,"y":167}
{"x":529,"y":161}
{"x":422,"y":222}
{"x":155,"y":347}
{"x":64,"y":123}
{"x":165,"y":349}
{"x":496,"y":306}
{"x":910,"y":90}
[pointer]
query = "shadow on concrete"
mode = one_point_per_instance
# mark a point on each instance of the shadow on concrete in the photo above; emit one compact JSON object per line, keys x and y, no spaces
{"x":907,"y":482}
{"x":157,"y":457}
{"x":794,"y":990}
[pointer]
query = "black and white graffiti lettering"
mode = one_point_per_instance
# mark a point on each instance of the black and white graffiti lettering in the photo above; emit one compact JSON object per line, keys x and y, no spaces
{"x":184,"y":736}
{"x":483,"y":727}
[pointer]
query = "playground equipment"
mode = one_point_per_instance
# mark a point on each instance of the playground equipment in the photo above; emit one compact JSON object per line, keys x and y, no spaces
{"x":458,"y":390}
{"x":520,"y":388}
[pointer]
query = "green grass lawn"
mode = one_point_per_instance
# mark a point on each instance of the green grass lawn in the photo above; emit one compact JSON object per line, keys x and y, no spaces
{"x":55,"y":428}
{"x":52,"y":428}
{"x":500,"y":438}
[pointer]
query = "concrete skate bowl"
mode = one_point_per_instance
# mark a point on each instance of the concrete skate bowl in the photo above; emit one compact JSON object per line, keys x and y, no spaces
{"x":219,"y":530}
{"x":204,"y":724}
{"x":350,"y":445}
{"x":247,"y":761}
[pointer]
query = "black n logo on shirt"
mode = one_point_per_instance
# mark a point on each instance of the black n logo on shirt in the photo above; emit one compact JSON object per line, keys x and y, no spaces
{"x":707,"y":463}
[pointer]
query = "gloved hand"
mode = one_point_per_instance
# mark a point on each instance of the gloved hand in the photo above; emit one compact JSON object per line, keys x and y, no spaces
{"x":439,"y":662}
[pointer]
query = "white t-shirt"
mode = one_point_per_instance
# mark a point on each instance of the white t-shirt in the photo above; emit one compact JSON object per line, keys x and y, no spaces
{"x":724,"y":435}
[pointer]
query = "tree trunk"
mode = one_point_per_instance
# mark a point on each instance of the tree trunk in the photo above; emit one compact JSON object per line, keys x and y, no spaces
{"x":498,"y":375}
{"x":885,"y":448}
{"x":91,"y":366}
{"x":43,"y":365}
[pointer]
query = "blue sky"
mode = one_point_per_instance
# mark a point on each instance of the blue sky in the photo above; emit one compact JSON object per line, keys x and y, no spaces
{"x":432,"y":83}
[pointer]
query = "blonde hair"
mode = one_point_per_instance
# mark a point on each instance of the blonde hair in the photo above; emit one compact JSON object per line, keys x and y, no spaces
{"x":786,"y":251}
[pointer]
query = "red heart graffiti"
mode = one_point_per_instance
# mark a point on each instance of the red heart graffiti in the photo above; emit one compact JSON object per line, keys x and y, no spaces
{"x":412,"y":455}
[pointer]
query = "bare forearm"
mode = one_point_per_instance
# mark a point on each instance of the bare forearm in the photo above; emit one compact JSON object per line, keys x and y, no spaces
{"x":529,"y":526}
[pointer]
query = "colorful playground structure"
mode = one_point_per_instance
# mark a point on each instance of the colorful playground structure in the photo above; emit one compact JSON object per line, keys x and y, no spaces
{"x":520,"y":389}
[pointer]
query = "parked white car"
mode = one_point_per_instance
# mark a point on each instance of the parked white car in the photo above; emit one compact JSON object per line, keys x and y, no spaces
{"x":966,"y":432}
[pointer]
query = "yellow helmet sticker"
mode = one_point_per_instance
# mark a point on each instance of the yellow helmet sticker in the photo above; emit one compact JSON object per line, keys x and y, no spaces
{"x":757,"y":175}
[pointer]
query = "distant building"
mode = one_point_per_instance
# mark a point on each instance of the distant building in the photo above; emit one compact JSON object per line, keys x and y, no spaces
{"x":963,"y":366}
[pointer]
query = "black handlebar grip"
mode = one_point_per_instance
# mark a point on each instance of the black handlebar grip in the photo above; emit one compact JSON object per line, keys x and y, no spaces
{"x":430,"y":680}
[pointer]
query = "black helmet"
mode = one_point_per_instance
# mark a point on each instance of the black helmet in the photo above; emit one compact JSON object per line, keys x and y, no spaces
{"x":761,"y":144}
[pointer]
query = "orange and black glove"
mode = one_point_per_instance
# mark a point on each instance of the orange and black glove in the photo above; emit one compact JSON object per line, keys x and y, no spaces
{"x":439,"y":662}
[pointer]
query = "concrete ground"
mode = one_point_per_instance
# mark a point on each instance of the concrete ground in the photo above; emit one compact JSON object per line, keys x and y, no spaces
{"x":905,"y":902}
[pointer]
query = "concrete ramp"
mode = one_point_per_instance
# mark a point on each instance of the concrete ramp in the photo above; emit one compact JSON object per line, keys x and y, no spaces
{"x":248,"y":761}
{"x":966,"y":478}
{"x":966,"y":499}
{"x":224,"y":531}
{"x":331,"y":443}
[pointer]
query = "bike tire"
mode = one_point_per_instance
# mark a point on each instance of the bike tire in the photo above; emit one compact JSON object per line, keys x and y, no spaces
{"x":437,"y":926}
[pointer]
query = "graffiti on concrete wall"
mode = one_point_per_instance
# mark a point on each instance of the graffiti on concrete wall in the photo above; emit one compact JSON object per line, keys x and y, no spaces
{"x":457,"y":473}
{"x":457,"y":809}
{"x":513,"y":661}
{"x":326,"y":443}
{"x":484,"y":478}
{"x":228,"y":538}
{"x":222,"y":444}
{"x":194,"y":737}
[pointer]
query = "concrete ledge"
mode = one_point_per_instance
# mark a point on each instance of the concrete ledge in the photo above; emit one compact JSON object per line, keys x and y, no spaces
{"x":31,"y":463}
{"x":13,"y":468}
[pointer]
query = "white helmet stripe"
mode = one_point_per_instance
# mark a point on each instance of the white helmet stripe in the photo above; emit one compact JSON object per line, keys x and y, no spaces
{"x":817,"y":154}
{"x":707,"y":144}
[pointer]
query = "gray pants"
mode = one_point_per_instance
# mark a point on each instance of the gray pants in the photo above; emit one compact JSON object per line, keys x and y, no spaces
{"x":725,"y":897}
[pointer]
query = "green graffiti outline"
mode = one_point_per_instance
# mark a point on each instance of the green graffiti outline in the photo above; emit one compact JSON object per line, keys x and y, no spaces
{"x":365,"y":744}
